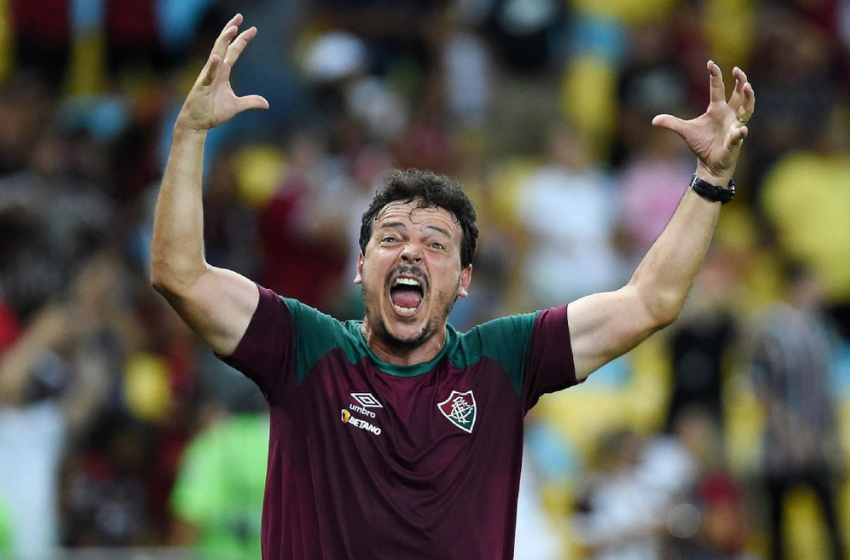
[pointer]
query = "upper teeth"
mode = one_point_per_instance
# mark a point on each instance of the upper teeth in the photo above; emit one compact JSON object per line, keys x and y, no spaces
{"x":407,"y":282}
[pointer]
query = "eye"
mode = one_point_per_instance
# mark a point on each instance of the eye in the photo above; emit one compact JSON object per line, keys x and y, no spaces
{"x":388,"y":239}
{"x":437,"y":245}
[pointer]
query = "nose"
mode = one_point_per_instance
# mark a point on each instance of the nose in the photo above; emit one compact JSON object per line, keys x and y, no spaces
{"x":411,"y":253}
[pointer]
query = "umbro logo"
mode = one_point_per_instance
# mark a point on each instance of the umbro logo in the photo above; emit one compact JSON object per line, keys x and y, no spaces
{"x":367,"y":400}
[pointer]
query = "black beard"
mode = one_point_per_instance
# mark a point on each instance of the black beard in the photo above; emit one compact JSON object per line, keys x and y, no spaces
{"x":429,"y":330}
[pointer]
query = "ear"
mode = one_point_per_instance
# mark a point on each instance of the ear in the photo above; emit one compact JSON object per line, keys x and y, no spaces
{"x":358,"y":278}
{"x":465,"y":279}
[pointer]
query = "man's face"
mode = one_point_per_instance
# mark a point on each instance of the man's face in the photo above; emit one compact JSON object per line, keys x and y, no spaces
{"x":411,"y":273}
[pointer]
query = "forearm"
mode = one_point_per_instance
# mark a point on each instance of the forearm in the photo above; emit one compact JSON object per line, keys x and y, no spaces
{"x":16,"y":365}
{"x":18,"y":362}
{"x":177,"y":250}
{"x":603,"y":326}
{"x":667,"y":272}
{"x":664,"y":278}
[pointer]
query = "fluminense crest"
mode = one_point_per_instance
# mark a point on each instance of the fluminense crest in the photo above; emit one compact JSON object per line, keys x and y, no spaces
{"x":460,"y":409}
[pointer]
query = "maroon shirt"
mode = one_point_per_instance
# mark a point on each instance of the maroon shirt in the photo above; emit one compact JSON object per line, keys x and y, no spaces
{"x":368,"y":460}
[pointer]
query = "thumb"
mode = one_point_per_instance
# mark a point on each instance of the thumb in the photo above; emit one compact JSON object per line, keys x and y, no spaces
{"x":669,"y":122}
{"x":252,"y":102}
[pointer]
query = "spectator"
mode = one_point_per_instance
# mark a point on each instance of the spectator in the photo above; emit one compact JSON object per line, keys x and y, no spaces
{"x":712,"y":522}
{"x":797,"y":68}
{"x":791,"y":361}
{"x":620,"y":516}
{"x":53,"y":378}
{"x":806,"y":199}
{"x":650,"y":189}
{"x":303,"y":255}
{"x":701,"y":342}
{"x":569,"y":207}
{"x":106,"y":494}
{"x":218,"y":496}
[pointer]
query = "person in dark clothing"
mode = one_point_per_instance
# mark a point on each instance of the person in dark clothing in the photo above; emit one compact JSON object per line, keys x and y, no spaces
{"x":792,"y":356}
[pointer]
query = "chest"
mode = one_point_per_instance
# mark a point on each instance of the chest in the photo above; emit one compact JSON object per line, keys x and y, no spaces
{"x":436,"y":416}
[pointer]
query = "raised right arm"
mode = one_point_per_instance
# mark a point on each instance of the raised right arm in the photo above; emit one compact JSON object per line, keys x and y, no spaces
{"x":217,"y":304}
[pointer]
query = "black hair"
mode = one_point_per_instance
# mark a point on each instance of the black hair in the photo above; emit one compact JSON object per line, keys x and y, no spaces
{"x":432,"y":191}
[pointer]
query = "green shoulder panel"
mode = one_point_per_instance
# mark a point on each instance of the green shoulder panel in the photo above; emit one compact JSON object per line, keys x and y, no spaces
{"x":315,"y":334}
{"x":505,"y":341}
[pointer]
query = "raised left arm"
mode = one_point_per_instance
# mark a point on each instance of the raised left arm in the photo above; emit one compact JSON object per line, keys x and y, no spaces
{"x":606,"y":325}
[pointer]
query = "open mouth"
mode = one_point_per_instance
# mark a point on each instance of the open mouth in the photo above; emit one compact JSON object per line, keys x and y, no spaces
{"x":406,"y":295}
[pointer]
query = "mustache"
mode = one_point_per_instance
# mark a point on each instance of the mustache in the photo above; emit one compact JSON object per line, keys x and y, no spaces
{"x":408,"y":270}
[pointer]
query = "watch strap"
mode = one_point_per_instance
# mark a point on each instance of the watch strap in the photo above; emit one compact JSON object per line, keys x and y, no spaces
{"x":712,"y":192}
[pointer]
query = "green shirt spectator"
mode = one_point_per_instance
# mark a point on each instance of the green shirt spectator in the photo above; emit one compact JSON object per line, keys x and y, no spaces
{"x":5,"y":530}
{"x":218,"y":496}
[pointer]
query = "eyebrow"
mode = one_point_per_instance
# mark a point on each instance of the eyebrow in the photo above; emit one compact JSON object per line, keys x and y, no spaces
{"x":444,"y":231}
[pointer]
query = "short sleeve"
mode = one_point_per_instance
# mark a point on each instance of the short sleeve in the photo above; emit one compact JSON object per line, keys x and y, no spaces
{"x":549,"y":365}
{"x":264,"y":353}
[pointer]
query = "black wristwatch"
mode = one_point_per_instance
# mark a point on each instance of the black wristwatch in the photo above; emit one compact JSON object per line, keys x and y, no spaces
{"x":713,"y":192}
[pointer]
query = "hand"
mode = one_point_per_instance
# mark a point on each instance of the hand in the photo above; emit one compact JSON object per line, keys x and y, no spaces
{"x":715,"y":137}
{"x":211,"y":101}
{"x":53,"y":327}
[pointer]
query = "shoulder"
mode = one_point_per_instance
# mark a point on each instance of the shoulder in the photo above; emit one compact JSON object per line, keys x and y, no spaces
{"x":316,"y":334}
{"x":494,"y":334}
{"x":311,"y":322}
{"x":505,"y":340}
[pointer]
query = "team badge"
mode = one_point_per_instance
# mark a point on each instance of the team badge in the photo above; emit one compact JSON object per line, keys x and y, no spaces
{"x":460,"y":409}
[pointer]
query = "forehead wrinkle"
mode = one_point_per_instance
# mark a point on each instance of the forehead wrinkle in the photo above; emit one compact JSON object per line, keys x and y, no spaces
{"x":392,"y":225}
{"x":402,"y":226}
{"x":435,"y":212}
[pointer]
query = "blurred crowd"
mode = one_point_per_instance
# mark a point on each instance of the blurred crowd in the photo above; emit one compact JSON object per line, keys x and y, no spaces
{"x":722,"y":437}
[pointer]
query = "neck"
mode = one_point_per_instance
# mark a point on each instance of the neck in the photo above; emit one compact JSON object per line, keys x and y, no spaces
{"x":393,"y":353}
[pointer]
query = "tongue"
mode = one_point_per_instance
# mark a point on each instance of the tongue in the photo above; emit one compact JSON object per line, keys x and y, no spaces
{"x":405,"y":297}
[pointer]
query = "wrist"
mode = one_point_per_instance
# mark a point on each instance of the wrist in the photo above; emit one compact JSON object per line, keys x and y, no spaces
{"x":719,"y":178}
{"x":184,"y":130}
{"x":713,"y":192}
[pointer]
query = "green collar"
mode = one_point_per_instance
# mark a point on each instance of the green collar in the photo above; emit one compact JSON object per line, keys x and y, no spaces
{"x":406,"y":371}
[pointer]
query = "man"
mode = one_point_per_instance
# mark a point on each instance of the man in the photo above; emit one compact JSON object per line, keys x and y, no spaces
{"x":398,"y":437}
{"x":216,"y":499}
{"x":793,"y":351}
{"x":54,"y":379}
